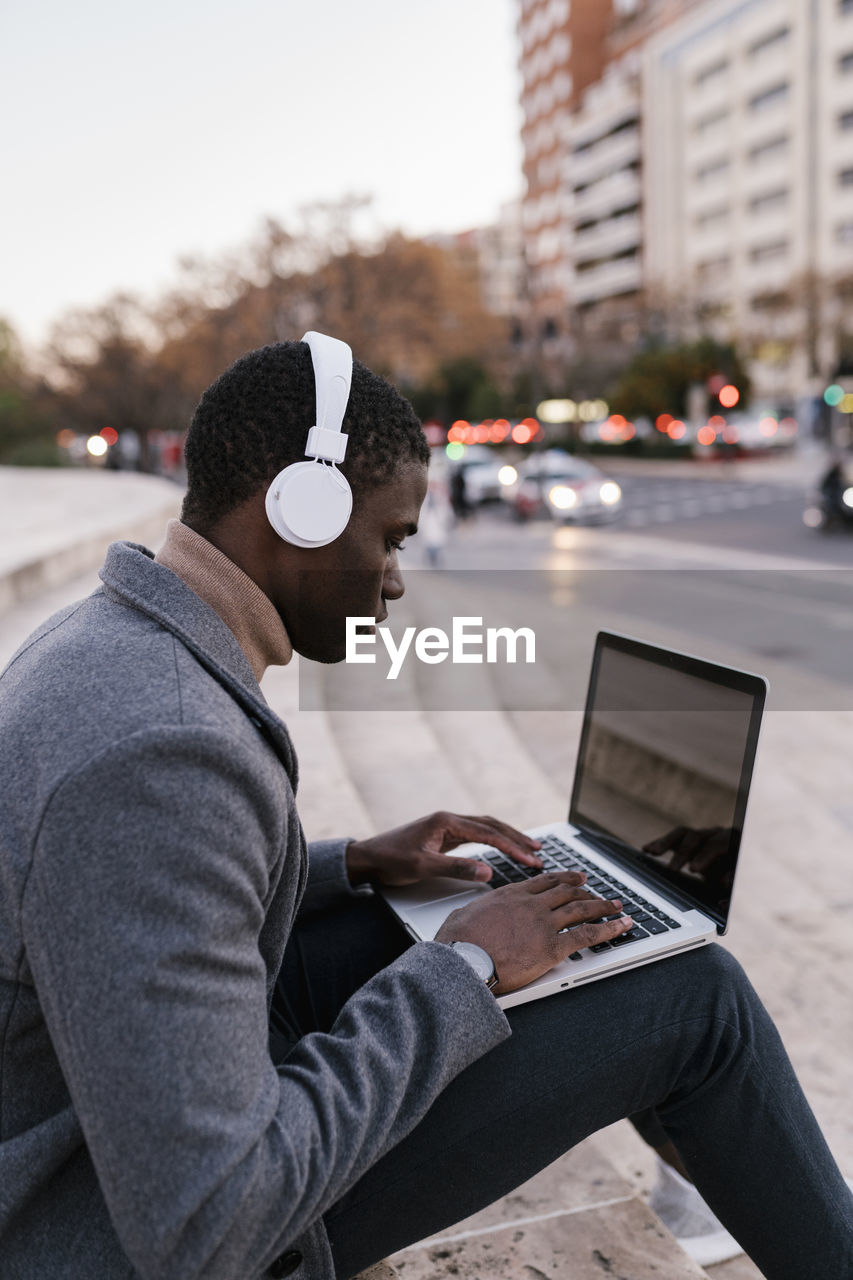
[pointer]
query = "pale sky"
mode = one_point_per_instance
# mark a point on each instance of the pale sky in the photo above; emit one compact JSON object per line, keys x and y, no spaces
{"x":137,"y":132}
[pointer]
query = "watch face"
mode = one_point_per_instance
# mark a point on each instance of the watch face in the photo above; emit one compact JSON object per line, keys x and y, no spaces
{"x":479,"y":960}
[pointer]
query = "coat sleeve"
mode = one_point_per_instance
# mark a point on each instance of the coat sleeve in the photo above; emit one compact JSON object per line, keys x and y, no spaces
{"x":141,"y":920}
{"x":328,"y":881}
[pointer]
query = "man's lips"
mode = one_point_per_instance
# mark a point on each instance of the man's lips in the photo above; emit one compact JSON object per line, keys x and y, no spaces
{"x":371,"y":630}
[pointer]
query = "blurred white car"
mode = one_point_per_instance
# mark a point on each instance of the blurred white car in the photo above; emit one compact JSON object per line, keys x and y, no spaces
{"x":482,"y":483}
{"x":563,"y":487}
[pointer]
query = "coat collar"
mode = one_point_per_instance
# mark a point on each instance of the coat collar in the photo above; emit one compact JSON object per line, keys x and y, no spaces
{"x":131,"y":575}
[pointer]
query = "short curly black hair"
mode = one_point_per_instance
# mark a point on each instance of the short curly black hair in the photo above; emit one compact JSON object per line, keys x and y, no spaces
{"x":254,"y":420}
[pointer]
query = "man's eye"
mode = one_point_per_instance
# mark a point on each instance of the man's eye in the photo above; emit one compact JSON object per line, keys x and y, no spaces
{"x":395,"y":546}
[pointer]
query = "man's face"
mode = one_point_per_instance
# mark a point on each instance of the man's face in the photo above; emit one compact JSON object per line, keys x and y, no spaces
{"x":358,"y":573}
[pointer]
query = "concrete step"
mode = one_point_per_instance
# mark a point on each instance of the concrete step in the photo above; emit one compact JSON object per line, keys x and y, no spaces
{"x":577,"y":1220}
{"x":56,"y":523}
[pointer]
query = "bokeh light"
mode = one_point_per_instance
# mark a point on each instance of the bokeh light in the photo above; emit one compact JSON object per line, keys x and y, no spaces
{"x":563,"y":497}
{"x":97,"y":446}
{"x":109,"y":434}
{"x":729,"y":396}
{"x":706,"y":435}
{"x":833,"y":394}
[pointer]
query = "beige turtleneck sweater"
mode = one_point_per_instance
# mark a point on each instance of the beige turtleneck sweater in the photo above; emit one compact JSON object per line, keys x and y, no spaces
{"x":238,"y":600}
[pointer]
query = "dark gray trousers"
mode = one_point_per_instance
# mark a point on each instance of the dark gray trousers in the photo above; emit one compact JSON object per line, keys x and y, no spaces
{"x":684,"y":1042}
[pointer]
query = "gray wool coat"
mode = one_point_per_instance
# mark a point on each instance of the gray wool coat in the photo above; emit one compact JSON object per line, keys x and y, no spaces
{"x":151,"y":867}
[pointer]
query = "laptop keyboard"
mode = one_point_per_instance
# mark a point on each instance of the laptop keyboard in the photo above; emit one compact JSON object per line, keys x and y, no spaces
{"x":558,"y":856}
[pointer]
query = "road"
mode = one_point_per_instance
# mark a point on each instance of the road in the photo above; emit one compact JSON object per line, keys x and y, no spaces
{"x":755,"y":516}
{"x":719,"y":567}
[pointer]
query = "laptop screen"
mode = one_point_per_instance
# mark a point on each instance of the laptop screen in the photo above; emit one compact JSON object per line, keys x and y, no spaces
{"x":664,"y":765}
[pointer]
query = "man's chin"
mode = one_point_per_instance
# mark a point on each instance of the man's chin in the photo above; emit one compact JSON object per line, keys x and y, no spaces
{"x":327,"y":650}
{"x":327,"y":654}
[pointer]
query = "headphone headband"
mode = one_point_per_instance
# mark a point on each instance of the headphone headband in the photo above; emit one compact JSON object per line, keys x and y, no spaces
{"x":332,"y":360}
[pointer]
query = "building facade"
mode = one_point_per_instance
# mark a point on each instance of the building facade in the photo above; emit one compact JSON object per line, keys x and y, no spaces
{"x":689,"y":164}
{"x":748,"y":181}
{"x":562,"y":50}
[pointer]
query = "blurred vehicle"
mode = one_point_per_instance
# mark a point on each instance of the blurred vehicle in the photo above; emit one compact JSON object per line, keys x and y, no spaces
{"x":830,"y":506}
{"x":482,"y":482}
{"x":759,"y":431}
{"x":563,"y":487}
{"x":480,"y":468}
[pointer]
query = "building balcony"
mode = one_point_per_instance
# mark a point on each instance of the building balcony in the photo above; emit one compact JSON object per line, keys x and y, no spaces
{"x":607,"y":238}
{"x":604,"y":157}
{"x":769,"y":277}
{"x":619,"y":275}
{"x":617,"y":189}
{"x":701,"y":195}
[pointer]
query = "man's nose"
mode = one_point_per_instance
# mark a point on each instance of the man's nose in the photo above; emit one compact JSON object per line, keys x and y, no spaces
{"x":392,"y":583}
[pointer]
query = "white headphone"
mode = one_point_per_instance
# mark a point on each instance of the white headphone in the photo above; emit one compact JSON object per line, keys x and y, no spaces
{"x":309,"y":503}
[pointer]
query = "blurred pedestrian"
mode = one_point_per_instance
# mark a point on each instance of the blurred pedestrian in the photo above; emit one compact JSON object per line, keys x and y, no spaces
{"x":434,"y":523}
{"x":834,"y":482}
{"x":459,"y":494}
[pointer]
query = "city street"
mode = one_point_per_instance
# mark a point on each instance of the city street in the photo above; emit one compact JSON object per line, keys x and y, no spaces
{"x":750,"y":514}
{"x":721,"y":567}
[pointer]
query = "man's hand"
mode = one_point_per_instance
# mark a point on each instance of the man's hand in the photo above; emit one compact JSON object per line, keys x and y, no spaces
{"x":520,"y":925}
{"x":419,"y":850}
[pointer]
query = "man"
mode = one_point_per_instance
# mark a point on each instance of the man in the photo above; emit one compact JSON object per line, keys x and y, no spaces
{"x":220,"y":1058}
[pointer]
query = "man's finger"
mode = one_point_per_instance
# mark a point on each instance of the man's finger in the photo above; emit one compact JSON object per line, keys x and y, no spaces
{"x":505,"y":828}
{"x":519,"y":847}
{"x":457,"y":868}
{"x":581,"y":910}
{"x":589,"y":935}
{"x":553,"y":879}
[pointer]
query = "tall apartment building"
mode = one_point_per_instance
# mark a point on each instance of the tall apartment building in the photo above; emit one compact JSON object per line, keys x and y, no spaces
{"x":562,"y":50}
{"x":748,"y":181}
{"x":581,"y":144}
{"x":603,"y":234}
{"x":703,"y":173}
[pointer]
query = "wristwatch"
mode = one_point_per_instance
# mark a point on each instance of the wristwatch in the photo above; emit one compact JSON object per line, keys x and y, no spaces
{"x":480,"y":961}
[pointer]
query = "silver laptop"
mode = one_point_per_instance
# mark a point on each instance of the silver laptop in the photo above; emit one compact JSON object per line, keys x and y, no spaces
{"x":656,"y":815}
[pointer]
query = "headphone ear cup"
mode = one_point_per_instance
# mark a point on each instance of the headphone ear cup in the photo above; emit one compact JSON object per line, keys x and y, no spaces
{"x":308,"y":504}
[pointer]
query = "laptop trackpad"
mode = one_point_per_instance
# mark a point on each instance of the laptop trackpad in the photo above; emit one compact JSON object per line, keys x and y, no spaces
{"x":428,"y":919}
